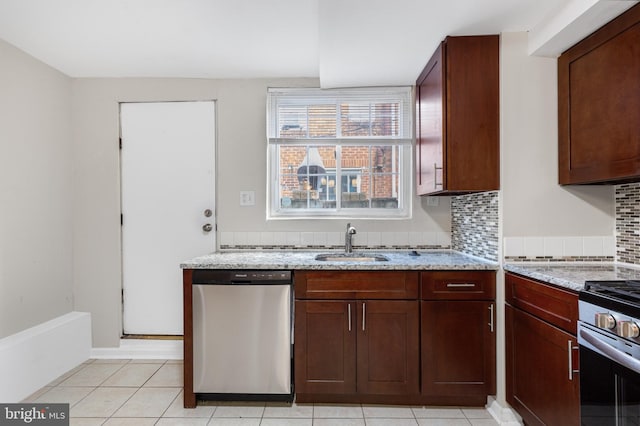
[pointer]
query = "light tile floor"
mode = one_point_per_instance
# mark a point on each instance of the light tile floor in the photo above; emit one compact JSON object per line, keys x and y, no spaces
{"x":148,"y":392}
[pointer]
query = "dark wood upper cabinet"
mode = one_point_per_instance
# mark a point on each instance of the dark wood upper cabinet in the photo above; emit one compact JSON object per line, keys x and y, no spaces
{"x":457,"y":118}
{"x":599,"y":105}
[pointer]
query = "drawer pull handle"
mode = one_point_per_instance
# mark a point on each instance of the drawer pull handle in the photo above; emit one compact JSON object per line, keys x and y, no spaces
{"x":571,"y":348}
{"x":491,"y":317}
{"x":454,"y":285}
{"x":364,"y":316}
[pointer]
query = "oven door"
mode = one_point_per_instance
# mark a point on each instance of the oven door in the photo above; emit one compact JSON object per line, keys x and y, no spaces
{"x":609,"y":379}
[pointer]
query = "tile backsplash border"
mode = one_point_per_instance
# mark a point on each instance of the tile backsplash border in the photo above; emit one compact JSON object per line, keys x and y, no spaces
{"x":334,"y":240}
{"x":552,"y":249}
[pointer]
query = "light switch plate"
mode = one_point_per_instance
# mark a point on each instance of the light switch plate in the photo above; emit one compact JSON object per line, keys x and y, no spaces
{"x":247,"y":198}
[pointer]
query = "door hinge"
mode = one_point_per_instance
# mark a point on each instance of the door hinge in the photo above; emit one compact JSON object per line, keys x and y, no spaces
{"x":120,"y":143}
{"x":121,"y":219}
{"x":122,"y":295}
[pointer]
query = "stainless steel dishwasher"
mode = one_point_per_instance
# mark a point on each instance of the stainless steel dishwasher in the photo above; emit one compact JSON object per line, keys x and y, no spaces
{"x":242,"y":335}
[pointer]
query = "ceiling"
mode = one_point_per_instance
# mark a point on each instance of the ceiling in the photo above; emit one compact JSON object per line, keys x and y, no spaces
{"x":342,"y":42}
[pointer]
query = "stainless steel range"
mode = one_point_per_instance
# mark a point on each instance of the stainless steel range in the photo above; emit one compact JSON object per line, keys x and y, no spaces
{"x":609,"y":339}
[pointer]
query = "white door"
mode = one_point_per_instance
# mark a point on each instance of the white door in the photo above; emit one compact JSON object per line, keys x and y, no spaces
{"x":167,"y":167}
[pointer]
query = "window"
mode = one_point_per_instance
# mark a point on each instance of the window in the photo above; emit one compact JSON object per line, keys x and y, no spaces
{"x":339,"y":153}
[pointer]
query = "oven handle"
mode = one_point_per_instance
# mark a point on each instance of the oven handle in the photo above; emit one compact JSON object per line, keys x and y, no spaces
{"x":611,"y":352}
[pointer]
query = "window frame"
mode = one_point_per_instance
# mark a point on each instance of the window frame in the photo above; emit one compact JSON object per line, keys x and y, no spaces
{"x":403,"y":142}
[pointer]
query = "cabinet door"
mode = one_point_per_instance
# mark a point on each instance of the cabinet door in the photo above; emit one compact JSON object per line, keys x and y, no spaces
{"x":325,"y":347}
{"x":598,"y":104}
{"x":388,"y":347}
{"x":458,"y":118}
{"x":473,"y":114}
{"x":540,"y":385}
{"x":458,"y":350}
{"x":430,"y":131}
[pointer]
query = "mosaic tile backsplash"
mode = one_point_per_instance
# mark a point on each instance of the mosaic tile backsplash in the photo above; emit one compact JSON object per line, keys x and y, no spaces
{"x":628,"y":223}
{"x":474,"y":224}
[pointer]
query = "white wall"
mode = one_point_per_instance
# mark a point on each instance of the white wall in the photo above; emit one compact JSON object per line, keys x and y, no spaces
{"x":534,"y":203}
{"x":241,"y":108}
{"x":35,"y":192}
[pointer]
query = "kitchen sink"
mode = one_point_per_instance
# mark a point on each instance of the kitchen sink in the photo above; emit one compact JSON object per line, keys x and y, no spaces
{"x":351,"y":257}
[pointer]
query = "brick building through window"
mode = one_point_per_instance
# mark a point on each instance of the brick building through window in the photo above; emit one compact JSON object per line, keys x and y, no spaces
{"x":333,"y":154}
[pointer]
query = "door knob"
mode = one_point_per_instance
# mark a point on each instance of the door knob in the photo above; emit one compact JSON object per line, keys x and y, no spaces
{"x":207,"y":227}
{"x":208,"y":213}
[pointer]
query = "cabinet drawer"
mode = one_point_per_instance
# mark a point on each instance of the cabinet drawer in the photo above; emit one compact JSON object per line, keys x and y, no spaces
{"x":554,"y":305}
{"x":356,"y":284}
{"x":458,"y":285}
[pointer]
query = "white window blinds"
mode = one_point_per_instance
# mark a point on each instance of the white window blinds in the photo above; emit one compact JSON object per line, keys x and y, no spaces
{"x":372,"y":114}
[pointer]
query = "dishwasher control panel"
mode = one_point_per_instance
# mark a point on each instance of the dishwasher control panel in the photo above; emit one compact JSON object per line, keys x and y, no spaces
{"x":230,"y":277}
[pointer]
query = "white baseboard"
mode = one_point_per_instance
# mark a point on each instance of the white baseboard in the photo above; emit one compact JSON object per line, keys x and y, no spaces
{"x":141,"y":349}
{"x":31,"y":359}
{"x":504,"y":415}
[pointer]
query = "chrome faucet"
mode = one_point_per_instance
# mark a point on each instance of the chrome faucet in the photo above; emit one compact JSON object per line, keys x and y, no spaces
{"x":348,"y":245}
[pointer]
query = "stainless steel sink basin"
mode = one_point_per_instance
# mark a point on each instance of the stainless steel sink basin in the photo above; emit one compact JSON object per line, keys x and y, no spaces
{"x":351,"y":257}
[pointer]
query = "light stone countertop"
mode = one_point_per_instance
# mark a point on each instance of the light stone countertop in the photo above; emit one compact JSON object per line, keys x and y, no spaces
{"x":299,"y":259}
{"x":572,"y":275}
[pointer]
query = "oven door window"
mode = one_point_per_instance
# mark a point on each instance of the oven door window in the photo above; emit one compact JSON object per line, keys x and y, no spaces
{"x":609,"y":392}
{"x":628,"y":396}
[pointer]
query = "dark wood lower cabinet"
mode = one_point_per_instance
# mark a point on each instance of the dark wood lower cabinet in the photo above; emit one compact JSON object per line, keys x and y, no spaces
{"x":458,"y":351}
{"x":381,"y":337}
{"x":325,"y":347}
{"x":539,"y":384}
{"x":388,"y":343}
{"x":367,"y":337}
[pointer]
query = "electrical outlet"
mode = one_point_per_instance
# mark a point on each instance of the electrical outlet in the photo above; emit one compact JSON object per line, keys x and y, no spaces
{"x":433,"y":201}
{"x":247,"y":198}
